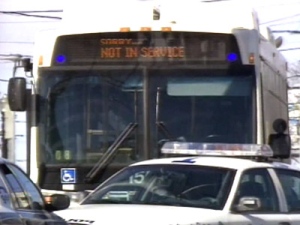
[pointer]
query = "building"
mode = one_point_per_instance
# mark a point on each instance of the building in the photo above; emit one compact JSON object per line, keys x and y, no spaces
{"x":19,"y":22}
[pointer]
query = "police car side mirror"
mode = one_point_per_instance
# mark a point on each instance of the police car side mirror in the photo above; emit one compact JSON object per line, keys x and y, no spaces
{"x":247,"y":204}
{"x":57,"y":202}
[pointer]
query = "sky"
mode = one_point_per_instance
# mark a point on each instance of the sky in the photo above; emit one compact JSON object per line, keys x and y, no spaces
{"x":282,"y":15}
{"x":17,"y":32}
{"x":279,"y":15}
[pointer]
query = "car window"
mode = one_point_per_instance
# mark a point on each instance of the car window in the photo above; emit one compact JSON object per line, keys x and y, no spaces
{"x":290,"y":181}
{"x":32,"y":192}
{"x":24,"y":193}
{"x":5,"y":198}
{"x":19,"y":197}
{"x":258,"y":183}
{"x":178,"y":185}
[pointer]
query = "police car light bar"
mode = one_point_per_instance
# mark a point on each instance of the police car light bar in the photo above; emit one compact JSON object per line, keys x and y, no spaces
{"x":217,"y":149}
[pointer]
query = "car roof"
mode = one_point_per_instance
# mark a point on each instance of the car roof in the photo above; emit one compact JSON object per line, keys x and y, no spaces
{"x":225,"y":162}
{"x":3,"y":160}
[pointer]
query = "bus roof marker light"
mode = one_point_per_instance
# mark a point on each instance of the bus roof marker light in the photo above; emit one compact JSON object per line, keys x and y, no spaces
{"x":217,"y":149}
{"x":41,"y":60}
{"x":251,"y":58}
{"x":166,"y":29}
{"x":61,"y":59}
{"x":232,"y":57}
{"x":125,"y":29}
{"x":145,"y":28}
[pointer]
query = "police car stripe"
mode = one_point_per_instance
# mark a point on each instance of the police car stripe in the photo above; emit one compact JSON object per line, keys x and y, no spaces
{"x":79,"y":222}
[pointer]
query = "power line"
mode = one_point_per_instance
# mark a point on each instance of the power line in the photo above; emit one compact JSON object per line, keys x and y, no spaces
{"x":26,"y":22}
{"x":286,"y":31}
{"x":289,"y":49}
{"x":36,"y":11}
{"x":284,"y":23}
{"x":13,"y":56}
{"x":29,"y":13}
{"x":284,"y":18}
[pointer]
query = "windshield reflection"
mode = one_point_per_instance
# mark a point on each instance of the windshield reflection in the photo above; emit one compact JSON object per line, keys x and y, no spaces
{"x":176,"y":185}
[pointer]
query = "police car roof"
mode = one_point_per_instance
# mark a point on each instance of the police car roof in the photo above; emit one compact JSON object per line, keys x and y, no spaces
{"x":225,"y":162}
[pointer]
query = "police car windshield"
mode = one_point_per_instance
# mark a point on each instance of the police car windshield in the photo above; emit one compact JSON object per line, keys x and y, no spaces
{"x":176,"y":185}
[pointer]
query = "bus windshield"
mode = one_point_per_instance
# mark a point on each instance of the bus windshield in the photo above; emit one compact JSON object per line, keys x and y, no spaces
{"x":82,"y":112}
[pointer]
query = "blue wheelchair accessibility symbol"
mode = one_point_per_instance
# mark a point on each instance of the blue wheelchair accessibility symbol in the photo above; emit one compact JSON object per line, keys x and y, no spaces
{"x":68,"y":175}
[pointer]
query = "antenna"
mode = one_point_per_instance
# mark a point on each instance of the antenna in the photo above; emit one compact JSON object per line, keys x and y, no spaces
{"x":156,"y":12}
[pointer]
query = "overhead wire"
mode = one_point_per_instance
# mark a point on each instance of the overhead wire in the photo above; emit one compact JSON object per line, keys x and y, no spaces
{"x":287,"y":31}
{"x":31,"y":13}
{"x":280,"y":19}
{"x":289,"y":49}
{"x":284,"y":23}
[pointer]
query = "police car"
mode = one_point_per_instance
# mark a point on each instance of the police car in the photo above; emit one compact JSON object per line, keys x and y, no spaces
{"x":209,"y":184}
{"x":21,"y":202}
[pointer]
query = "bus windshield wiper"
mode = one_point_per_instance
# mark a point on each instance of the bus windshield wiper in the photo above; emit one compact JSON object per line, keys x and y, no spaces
{"x":162,"y":127}
{"x":110,"y":153}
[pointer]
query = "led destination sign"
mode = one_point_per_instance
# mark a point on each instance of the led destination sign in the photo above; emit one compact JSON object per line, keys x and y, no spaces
{"x":132,"y":47}
{"x":129,"y":48}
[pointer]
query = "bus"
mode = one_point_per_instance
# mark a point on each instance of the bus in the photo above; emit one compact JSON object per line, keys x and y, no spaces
{"x":104,"y":96}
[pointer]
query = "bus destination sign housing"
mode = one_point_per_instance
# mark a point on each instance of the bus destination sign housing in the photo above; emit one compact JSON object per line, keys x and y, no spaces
{"x":145,"y":47}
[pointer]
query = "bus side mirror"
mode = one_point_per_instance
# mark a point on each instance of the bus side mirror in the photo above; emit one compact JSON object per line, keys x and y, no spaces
{"x":16,"y":94}
{"x":280,"y":142}
{"x":281,"y":145}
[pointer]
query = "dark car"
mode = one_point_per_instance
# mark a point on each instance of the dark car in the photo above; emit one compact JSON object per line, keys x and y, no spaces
{"x":21,"y":201}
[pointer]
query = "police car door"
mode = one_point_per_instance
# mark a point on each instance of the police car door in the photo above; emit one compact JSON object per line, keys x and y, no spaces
{"x":257,"y":183}
{"x":290,"y":182}
{"x":8,"y":215}
{"x":29,"y":202}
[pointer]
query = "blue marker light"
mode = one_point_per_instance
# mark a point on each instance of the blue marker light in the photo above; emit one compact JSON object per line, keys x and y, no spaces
{"x":231,"y":57}
{"x":60,"y":59}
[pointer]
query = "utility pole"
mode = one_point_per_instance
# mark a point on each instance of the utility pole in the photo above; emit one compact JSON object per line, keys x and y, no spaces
{"x":4,"y":149}
{"x":7,"y":131}
{"x":8,"y":137}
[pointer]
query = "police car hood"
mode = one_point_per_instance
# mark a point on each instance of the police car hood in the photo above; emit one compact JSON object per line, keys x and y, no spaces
{"x":111,"y":214}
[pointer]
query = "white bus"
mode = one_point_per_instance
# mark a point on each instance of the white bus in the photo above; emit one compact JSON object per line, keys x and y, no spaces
{"x":107,"y":94}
